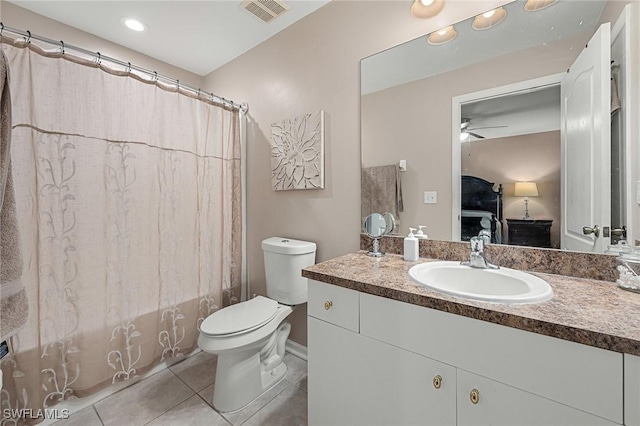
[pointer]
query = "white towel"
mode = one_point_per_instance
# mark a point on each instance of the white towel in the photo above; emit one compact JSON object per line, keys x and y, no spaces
{"x":14,"y":308}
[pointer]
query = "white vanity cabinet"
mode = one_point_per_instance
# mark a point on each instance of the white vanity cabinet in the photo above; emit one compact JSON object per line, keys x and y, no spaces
{"x":383,"y":369}
{"x":356,"y":380}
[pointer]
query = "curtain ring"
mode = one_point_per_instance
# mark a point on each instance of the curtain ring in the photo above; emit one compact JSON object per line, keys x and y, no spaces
{"x":1,"y":28}
{"x":198,"y":93}
{"x":178,"y":84}
{"x":29,"y":38}
{"x":98,"y":58}
{"x":155,"y":76}
{"x":62,"y":46}
{"x":128,"y":67}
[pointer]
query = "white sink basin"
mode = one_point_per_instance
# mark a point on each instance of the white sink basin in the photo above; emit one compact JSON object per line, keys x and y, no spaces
{"x":502,"y":285}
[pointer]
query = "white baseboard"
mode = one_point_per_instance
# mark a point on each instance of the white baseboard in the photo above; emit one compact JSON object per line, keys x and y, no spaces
{"x":296,"y":349}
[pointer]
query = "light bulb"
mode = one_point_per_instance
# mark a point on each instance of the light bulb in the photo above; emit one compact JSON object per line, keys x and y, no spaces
{"x":489,"y":14}
{"x":427,"y":2}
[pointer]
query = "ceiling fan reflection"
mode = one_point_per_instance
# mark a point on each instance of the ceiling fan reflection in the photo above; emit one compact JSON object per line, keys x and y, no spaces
{"x":466,"y":129}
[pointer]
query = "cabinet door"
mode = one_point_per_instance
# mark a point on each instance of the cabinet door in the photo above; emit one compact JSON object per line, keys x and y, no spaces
{"x":355,"y":380}
{"x":498,"y":404}
{"x":631,"y":390}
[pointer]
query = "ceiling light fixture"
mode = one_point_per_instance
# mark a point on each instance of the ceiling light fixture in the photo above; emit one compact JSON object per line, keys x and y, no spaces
{"x":133,"y":24}
{"x":442,"y":36}
{"x":489,"y":19}
{"x":426,"y":8}
{"x":535,"y":5}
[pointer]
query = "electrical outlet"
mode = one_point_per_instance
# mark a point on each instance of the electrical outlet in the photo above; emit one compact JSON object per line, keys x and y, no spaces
{"x":430,"y":197}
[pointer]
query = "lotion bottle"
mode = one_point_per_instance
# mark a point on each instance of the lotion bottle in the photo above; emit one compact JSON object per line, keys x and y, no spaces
{"x":411,"y":246}
{"x":421,"y":235}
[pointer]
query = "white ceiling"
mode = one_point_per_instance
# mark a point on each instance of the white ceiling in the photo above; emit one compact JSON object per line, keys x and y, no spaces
{"x":416,"y":59}
{"x":198,"y":36}
{"x":523,"y":113}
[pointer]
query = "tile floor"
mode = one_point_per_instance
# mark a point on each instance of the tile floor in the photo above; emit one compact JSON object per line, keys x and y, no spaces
{"x":181,"y":395}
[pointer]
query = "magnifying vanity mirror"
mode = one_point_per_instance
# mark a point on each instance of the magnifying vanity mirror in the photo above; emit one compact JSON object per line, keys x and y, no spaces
{"x":378,"y":225}
{"x":524,"y":129}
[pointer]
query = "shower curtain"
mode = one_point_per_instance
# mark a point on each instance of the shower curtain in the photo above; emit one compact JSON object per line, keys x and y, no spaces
{"x":129,"y":204}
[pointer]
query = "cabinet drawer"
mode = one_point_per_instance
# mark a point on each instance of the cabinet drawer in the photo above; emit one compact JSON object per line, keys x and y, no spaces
{"x":337,"y":305}
{"x":498,"y":404}
{"x":581,"y":376}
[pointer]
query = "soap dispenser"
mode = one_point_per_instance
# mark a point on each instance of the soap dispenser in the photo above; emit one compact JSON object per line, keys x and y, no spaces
{"x":421,"y":235}
{"x":411,"y":246}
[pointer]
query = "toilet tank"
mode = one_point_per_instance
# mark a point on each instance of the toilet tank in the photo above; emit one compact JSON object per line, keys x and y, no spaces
{"x":284,"y":260}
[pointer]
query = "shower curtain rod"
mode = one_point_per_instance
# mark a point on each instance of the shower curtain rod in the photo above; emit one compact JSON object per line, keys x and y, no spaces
{"x":243,"y":108}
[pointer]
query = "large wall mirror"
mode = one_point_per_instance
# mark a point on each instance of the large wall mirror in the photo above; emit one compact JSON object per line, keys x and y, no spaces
{"x":522,"y":129}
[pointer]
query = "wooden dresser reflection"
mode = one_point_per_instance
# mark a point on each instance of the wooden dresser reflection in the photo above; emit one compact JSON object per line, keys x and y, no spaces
{"x":532,"y":233}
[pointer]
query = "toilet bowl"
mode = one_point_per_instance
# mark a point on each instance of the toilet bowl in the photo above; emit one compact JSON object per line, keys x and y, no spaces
{"x":250,"y":356}
{"x":249,"y":337}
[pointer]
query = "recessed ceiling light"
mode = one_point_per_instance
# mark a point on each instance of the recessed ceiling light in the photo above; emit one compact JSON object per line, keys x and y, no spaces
{"x":426,"y":8}
{"x":489,"y":14}
{"x":442,"y":36}
{"x":535,"y":5}
{"x":133,"y":24}
{"x":489,"y":19}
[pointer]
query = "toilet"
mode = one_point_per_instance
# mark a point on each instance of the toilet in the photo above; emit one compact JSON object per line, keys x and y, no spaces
{"x":249,"y":337}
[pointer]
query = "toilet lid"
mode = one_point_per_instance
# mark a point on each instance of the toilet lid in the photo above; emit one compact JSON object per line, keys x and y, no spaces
{"x":240,"y":317}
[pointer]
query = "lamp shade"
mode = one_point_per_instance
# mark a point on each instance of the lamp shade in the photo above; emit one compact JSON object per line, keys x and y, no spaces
{"x":526,"y":189}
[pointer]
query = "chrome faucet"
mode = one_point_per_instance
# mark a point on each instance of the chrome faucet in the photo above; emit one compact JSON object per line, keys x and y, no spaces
{"x":477,"y":259}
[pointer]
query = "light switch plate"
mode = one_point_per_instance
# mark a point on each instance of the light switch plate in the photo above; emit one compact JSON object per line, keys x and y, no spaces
{"x":430,"y":197}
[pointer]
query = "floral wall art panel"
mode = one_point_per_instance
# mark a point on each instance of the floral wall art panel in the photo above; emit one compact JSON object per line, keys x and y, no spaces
{"x":297,"y":153}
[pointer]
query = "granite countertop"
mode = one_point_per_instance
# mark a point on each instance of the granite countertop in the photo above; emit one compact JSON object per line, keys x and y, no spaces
{"x":592,"y":312}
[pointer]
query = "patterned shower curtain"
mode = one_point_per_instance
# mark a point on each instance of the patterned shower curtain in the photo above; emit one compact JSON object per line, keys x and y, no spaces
{"x":129,"y":202}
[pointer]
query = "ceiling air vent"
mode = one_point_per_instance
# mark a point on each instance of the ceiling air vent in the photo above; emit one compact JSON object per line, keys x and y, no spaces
{"x":266,"y":10}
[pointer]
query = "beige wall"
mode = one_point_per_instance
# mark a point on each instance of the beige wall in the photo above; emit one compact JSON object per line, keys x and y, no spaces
{"x":23,"y":19}
{"x":531,"y":158}
{"x":312,"y":65}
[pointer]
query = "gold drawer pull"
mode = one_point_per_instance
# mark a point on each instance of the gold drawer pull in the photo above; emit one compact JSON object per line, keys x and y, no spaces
{"x":328,"y":304}
{"x":474,"y":396}
{"x":437,"y":382}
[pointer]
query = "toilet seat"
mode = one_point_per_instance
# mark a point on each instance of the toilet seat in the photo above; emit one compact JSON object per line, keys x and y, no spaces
{"x":240,"y":318}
